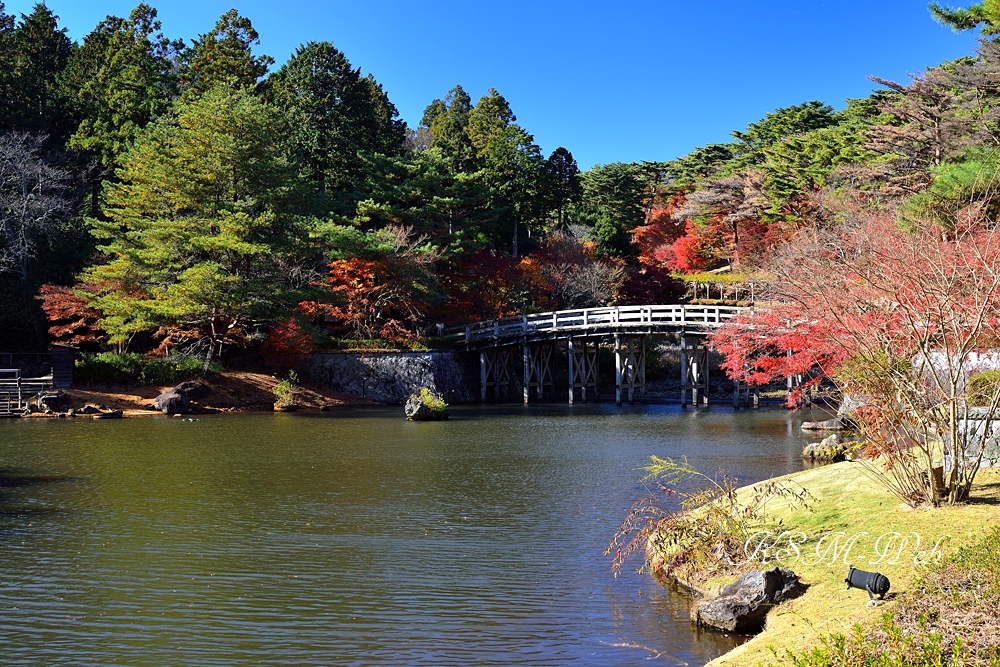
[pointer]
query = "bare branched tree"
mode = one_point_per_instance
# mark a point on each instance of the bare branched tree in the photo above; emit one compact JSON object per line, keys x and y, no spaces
{"x":33,"y":204}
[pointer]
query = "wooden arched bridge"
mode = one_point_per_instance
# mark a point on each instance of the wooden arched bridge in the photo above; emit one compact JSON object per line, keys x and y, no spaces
{"x":584,"y":330}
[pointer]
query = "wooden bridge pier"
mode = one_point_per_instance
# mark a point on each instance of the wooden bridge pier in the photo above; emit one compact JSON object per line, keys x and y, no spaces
{"x":630,"y":367}
{"x":496,"y":370}
{"x":694,"y":370}
{"x":584,"y":367}
{"x":538,"y":369}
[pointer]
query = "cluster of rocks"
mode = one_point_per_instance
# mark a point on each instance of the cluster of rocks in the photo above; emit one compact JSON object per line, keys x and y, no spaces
{"x":831,"y":448}
{"x":60,"y":404}
{"x":177,"y":401}
{"x":742,"y":606}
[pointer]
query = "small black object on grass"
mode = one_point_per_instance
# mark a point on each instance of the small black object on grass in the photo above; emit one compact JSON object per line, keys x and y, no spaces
{"x":873,"y":582}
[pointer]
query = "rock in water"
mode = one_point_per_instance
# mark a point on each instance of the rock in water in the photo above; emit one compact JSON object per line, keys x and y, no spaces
{"x":742,"y":606}
{"x":195,"y":391}
{"x":172,"y":402}
{"x":416,"y":411}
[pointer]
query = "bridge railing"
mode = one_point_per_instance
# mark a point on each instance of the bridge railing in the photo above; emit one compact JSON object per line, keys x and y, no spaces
{"x":610,"y":319}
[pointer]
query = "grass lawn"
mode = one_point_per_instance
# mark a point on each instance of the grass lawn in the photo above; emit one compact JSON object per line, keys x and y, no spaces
{"x":848,"y":500}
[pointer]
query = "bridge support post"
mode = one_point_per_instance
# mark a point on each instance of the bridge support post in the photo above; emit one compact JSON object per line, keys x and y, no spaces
{"x":694,"y":370}
{"x":618,"y":370}
{"x":642,"y":368}
{"x":537,"y":369}
{"x":527,"y":373}
{"x":583,"y":368}
{"x":630,"y":367}
{"x":570,"y":359}
{"x":495,"y":370}
{"x":752,"y":395}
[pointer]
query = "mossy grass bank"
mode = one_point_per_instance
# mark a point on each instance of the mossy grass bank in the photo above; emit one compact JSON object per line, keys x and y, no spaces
{"x":849,"y":501}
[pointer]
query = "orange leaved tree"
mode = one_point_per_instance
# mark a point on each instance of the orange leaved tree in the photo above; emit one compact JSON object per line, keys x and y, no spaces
{"x":901,"y":317}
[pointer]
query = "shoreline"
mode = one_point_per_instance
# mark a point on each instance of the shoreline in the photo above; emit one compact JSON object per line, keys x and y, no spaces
{"x":847,"y":501}
{"x":229,"y":392}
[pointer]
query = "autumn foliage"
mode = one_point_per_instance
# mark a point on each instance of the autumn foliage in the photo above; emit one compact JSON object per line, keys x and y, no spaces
{"x":898,"y":316}
{"x":72,"y":320}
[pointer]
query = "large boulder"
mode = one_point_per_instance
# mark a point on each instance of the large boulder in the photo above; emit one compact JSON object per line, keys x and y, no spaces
{"x":172,"y":402}
{"x":848,"y":404}
{"x":742,"y":606}
{"x":195,"y":391}
{"x":57,"y":402}
{"x":417,"y":411}
{"x":830,"y":448}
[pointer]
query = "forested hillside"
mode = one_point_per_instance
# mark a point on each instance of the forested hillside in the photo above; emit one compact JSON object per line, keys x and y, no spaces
{"x":164,"y":195}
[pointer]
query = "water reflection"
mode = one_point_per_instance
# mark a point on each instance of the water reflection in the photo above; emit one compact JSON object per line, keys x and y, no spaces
{"x":351,"y":537}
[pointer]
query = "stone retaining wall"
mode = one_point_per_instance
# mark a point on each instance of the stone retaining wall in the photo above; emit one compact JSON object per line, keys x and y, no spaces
{"x":390,"y":377}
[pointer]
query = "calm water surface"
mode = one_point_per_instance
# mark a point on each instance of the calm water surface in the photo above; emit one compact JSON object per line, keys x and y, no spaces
{"x":351,"y":537}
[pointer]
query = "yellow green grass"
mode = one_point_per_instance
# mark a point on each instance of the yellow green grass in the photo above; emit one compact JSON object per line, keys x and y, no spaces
{"x":849,"y":500}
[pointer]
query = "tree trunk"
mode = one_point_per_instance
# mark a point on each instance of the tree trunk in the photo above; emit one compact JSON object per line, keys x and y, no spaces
{"x":95,"y":199}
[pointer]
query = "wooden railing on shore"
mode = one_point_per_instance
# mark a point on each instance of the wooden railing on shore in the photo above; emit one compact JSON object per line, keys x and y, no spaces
{"x":16,"y":392}
{"x":592,"y":321}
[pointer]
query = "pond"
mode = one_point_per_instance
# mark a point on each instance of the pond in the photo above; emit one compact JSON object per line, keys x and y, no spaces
{"x":352,"y":537}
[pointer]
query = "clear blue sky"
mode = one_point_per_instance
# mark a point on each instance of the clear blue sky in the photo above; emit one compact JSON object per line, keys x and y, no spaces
{"x":621,"y":80}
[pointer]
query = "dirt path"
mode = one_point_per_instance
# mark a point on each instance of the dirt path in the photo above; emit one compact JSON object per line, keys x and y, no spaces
{"x":229,"y":391}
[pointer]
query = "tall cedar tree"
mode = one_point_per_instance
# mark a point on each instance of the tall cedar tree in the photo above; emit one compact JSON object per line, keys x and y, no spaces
{"x":448,"y":120}
{"x":40,"y":52}
{"x":224,"y":56}
{"x":335,"y":113}
{"x":511,"y":165}
{"x":122,"y":77}
{"x":563,"y":184}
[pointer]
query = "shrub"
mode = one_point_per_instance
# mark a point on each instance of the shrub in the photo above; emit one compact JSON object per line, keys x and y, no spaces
{"x":710,"y":529}
{"x":431,"y":400}
{"x":108,"y":368}
{"x":284,"y":391}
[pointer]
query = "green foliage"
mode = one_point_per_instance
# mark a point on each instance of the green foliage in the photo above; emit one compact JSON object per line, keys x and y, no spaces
{"x":284,"y":391}
{"x":430,"y":400}
{"x":202,"y":229}
{"x":224,"y":56}
{"x":38,"y":53}
{"x":108,"y":368}
{"x":614,"y":201}
{"x":778,"y":125}
{"x":969,"y":184}
{"x":334,"y":113}
{"x":448,"y":121}
{"x":889,"y":646}
{"x":121,"y":78}
{"x":985,"y":14}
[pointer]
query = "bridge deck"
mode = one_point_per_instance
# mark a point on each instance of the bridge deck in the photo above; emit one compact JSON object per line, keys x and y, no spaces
{"x":563,"y":324}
